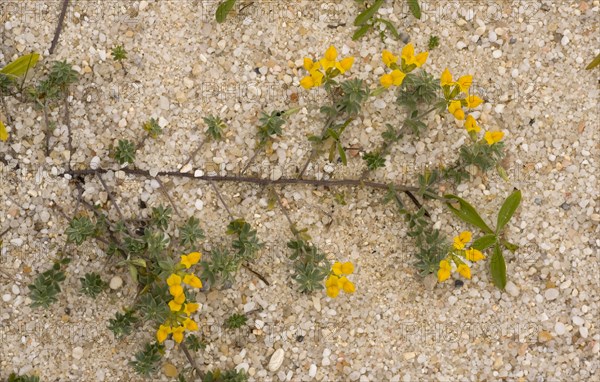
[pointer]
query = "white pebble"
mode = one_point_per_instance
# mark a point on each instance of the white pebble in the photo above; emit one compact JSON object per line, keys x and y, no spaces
{"x":95,"y":163}
{"x":583,"y":331}
{"x":15,"y":289}
{"x":242,"y":366}
{"x":551,"y":294}
{"x":578,"y":320}
{"x":560,"y":328}
{"x":276,"y":360}
{"x":497,"y":53}
{"x":115,"y":283}
{"x":460,"y":45}
{"x":379,"y":103}
{"x":163,"y":103}
{"x":198,"y":173}
{"x":499,"y":108}
{"x":492,"y":36}
{"x":199,"y":204}
{"x":78,"y":352}
{"x":564,"y":41}
{"x":514,"y":73}
{"x":312,"y":371}
{"x":512,"y":289}
{"x":6,"y":297}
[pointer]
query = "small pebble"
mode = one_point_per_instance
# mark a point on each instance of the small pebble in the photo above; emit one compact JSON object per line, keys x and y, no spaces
{"x":276,"y":360}
{"x":497,"y":54}
{"x":115,"y":283}
{"x":551,"y":294}
{"x":559,"y":328}
{"x":77,"y":352}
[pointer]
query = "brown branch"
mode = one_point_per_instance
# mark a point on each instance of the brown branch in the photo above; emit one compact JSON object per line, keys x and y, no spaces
{"x":67,"y":122}
{"x":61,"y":19}
{"x":214,"y":186}
{"x":164,"y":190}
{"x":191,"y":359}
{"x":114,"y":202}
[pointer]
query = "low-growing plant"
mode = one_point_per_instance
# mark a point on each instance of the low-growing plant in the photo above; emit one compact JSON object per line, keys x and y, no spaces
{"x":236,"y":321}
{"x":22,"y":378}
{"x":92,"y":284}
{"x":46,"y":286}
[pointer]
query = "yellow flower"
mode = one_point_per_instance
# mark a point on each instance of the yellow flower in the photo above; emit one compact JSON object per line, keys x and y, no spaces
{"x":462,"y":239}
{"x":332,"y":280}
{"x":190,"y":324}
{"x":395,"y":78}
{"x":333,"y":291}
{"x":345,"y":64}
{"x":349,"y":287}
{"x":492,"y":137}
{"x":174,"y":306}
{"x":173,"y":280}
{"x":193,"y":281}
{"x":455,"y":109}
{"x":313,"y":80}
{"x":178,"y":334}
{"x":309,"y":65}
{"x":179,"y":299}
{"x":328,"y":61}
{"x":190,"y":308}
{"x":446,"y":78}
{"x":409,"y":58}
{"x":473,"y":101}
{"x":474,"y":255}
{"x":444,"y":271}
{"x":176,"y":290}
{"x":337,"y":268}
{"x":471,"y":124}
{"x":190,"y":259}
{"x":162,"y":333}
{"x":388,"y":58}
{"x":347,"y":268}
{"x":464,"y":83}
{"x":464,"y":271}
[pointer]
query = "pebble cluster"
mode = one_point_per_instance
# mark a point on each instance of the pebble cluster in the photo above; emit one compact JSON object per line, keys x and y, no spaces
{"x":527,"y":61}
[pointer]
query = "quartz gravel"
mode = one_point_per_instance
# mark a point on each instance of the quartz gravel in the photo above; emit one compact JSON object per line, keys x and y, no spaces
{"x":527,"y":61}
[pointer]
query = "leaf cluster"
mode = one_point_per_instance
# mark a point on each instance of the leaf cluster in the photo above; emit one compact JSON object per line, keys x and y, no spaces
{"x":146,"y":360}
{"x":123,"y":323}
{"x":23,"y":378}
{"x":236,"y":321}
{"x":124,"y":152}
{"x":92,"y":284}
{"x":270,"y":126}
{"x":46,"y":286}
{"x":368,"y":20}
{"x":310,"y":264}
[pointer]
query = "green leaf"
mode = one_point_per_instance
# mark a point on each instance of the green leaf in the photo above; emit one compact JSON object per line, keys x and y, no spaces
{"x":484,"y":242}
{"x":342,"y":154}
{"x":390,"y":27}
{"x":414,"y":7}
{"x":595,"y":62}
{"x":510,"y":246}
{"x":3,"y":132}
{"x":223,"y":10}
{"x":364,"y":16}
{"x":467,"y":213}
{"x":361,"y":32}
{"x":507,"y":210}
{"x":498,"y":268}
{"x":21,"y":65}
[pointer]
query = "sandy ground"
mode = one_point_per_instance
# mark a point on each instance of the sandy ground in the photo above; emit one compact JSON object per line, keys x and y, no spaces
{"x":527,"y":59}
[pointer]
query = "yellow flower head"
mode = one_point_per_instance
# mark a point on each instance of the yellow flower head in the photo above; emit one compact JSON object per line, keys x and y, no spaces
{"x":409,"y":58}
{"x":192,"y":281}
{"x":190,"y":308}
{"x":190,"y":259}
{"x":309,"y":65}
{"x":446,"y":78}
{"x":394,"y":78}
{"x":492,"y":137}
{"x":178,"y":334}
{"x":462,"y":239}
{"x":474,"y":255}
{"x":471,"y":124}
{"x":473,"y":101}
{"x":328,"y":61}
{"x":190,"y":324}
{"x":173,"y":280}
{"x":332,"y":281}
{"x":333,"y":291}
{"x":464,"y":270}
{"x":347,"y":268}
{"x":464,"y":83}
{"x":162,"y":333}
{"x":174,"y":306}
{"x":388,"y":58}
{"x":337,"y":268}
{"x":349,"y":287}
{"x":176,"y":290}
{"x":345,"y":64}
{"x":455,"y":109}
{"x":179,"y":299}
{"x":314,"y":79}
{"x":444,"y":271}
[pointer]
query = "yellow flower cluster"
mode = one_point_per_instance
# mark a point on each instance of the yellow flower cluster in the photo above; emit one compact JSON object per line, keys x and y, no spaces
{"x":452,"y":90}
{"x":409,"y":62}
{"x":338,"y":281}
{"x":458,"y":253}
{"x":329,"y":64}
{"x":180,"y":309}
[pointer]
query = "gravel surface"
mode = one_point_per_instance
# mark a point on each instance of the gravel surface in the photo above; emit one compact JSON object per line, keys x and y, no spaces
{"x":527,"y":60}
